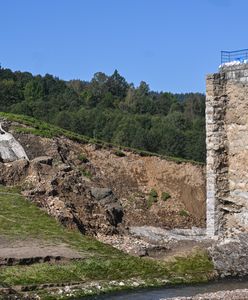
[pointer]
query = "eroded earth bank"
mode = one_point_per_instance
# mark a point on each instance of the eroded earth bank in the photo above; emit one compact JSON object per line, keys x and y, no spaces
{"x":144,"y":205}
{"x":120,"y":197}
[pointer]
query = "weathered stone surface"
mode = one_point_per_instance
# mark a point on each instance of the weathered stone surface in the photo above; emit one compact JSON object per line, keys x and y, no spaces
{"x":216,"y":137}
{"x":227,"y":158}
{"x":227,"y":149}
{"x":230,"y":254}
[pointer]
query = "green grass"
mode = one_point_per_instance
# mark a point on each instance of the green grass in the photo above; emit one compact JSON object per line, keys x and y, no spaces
{"x":196,"y":268}
{"x":20,"y":219}
{"x":43,"y":129}
{"x":23,"y":220}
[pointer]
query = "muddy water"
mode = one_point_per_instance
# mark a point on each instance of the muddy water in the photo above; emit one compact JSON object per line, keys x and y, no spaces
{"x":168,"y":292}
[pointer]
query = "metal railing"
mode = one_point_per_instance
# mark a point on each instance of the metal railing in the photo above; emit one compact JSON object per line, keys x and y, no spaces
{"x":238,"y":55}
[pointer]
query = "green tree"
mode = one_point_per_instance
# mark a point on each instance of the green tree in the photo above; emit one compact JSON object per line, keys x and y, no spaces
{"x":117,"y":85}
{"x":34,"y":91}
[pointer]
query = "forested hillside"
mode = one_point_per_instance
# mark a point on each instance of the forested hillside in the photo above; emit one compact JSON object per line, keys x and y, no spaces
{"x":111,"y":109}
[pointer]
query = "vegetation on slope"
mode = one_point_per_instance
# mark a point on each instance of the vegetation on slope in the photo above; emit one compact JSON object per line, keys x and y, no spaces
{"x":43,"y":129}
{"x":22,"y":220}
{"x":110,"y":109}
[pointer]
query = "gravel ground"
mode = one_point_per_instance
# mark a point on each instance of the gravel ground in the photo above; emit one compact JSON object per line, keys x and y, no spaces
{"x":240,"y":294}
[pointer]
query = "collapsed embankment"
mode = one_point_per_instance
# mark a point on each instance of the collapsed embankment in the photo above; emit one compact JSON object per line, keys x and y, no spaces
{"x":105,"y":190}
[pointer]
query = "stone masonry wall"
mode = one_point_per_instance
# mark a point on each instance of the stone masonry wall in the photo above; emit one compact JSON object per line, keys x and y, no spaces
{"x":227,"y":168}
{"x":227,"y":149}
{"x":216,"y":141}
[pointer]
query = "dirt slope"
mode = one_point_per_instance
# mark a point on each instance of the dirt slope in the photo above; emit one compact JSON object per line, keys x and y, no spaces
{"x":133,"y":189}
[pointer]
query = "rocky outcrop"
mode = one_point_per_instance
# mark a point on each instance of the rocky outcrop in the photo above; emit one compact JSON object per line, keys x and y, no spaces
{"x":65,"y":194}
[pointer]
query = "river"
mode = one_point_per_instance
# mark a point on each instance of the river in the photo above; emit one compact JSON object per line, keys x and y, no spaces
{"x":182,"y":290}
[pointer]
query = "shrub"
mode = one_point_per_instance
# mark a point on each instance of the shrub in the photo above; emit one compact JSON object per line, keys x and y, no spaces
{"x":119,"y":153}
{"x":83,"y":158}
{"x":153,"y":193}
{"x":86,"y":173}
{"x":165,"y":196}
{"x":184,"y":213}
{"x":152,"y":198}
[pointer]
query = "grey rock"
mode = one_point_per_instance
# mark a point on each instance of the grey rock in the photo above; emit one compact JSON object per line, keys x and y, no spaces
{"x":46,"y":160}
{"x":64,"y":168}
{"x":100,"y":193}
{"x":108,"y":200}
{"x":110,"y":203}
{"x":114,"y":213}
{"x":160,"y":235}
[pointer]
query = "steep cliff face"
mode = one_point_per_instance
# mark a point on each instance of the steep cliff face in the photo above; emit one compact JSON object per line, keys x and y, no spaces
{"x":102,"y":190}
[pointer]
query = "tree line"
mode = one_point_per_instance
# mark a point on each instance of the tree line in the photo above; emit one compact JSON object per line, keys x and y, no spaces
{"x":111,"y":109}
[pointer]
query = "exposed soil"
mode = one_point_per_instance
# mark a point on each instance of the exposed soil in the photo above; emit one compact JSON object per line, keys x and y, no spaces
{"x":131,"y":178}
{"x":62,"y":175}
{"x":14,"y":252}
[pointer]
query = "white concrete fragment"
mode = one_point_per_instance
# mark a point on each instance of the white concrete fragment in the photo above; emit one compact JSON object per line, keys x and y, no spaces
{"x":10,"y":148}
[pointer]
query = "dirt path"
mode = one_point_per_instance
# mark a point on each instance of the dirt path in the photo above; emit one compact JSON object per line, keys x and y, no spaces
{"x":32,"y":251}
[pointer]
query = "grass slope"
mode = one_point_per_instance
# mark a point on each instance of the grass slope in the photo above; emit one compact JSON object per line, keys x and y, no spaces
{"x":22,"y":220}
{"x":43,"y":129}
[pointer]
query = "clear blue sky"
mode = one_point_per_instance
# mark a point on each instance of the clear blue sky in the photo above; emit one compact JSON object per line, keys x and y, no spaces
{"x":170,"y":44}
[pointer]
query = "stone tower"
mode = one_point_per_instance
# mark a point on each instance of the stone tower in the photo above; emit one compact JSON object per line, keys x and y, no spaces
{"x":227,"y":149}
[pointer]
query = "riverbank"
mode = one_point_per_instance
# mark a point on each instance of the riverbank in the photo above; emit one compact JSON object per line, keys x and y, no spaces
{"x":105,"y":275}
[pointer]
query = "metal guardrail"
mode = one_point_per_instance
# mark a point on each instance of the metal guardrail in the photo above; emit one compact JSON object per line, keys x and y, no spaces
{"x":238,"y":55}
